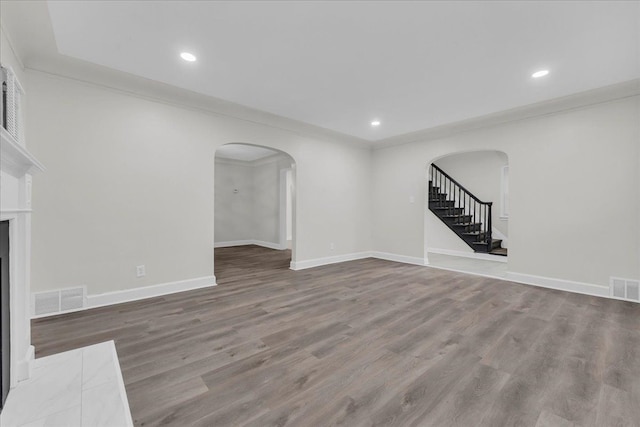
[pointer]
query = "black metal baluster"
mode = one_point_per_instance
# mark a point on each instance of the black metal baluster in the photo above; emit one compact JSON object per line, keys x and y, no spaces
{"x":464,"y":205}
{"x":449,"y":197}
{"x":433,"y":181}
{"x":474,"y":208}
{"x":486,"y":233}
{"x":439,"y":188}
{"x":446,"y":200}
{"x":486,"y":209}
{"x":480,"y":217}
{"x":446,"y":188}
{"x":485,"y":221}
{"x":489,"y":230}
{"x":479,"y":239}
{"x":437,"y":175}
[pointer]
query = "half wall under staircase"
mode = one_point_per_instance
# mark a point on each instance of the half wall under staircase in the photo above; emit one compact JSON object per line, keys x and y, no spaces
{"x":464,"y":213}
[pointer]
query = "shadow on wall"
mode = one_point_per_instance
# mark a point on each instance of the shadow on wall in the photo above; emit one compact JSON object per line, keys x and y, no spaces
{"x":254,"y":197}
{"x":486,"y":175}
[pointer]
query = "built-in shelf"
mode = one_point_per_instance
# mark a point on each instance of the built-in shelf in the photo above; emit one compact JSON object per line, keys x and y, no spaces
{"x":16,"y":159}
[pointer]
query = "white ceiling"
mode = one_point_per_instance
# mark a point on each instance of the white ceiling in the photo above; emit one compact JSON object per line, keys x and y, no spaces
{"x":339,"y":65}
{"x":243,"y":152}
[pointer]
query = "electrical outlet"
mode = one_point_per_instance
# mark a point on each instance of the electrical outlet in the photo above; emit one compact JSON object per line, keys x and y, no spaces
{"x":140,"y":271}
{"x":332,"y":246}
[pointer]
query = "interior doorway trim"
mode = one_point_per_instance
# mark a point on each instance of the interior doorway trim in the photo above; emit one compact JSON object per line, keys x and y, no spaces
{"x":278,"y":213}
{"x":284,"y":191}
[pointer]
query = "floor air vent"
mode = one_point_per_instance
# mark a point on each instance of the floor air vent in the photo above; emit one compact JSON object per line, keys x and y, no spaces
{"x":626,"y":289}
{"x":59,"y":301}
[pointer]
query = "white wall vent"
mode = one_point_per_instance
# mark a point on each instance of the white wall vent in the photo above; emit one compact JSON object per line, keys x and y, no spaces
{"x":58,"y":301}
{"x":626,"y":289}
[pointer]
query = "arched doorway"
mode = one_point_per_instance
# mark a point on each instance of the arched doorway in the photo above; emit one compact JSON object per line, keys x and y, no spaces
{"x":254,"y":195}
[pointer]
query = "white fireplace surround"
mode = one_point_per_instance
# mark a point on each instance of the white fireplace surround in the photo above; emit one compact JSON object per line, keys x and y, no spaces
{"x":16,"y":167}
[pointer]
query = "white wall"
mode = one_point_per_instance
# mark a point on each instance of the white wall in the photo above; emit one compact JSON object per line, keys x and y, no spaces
{"x":130,"y":181}
{"x":479,"y":172}
{"x":233,"y":211}
{"x":9,"y":58}
{"x":573,"y":189}
{"x":266,"y":207}
{"x":253,"y":213}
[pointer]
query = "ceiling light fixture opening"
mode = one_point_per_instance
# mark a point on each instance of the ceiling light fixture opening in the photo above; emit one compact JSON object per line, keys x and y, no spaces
{"x":539,"y":74}
{"x":189,"y":57}
{"x":375,"y":123}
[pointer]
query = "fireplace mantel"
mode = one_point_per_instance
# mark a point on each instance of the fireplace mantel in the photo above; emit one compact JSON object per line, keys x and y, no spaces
{"x":16,"y":166}
{"x":16,"y":160}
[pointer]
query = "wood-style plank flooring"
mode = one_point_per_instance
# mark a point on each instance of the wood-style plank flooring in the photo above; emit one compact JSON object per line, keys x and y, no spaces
{"x":365,"y":343}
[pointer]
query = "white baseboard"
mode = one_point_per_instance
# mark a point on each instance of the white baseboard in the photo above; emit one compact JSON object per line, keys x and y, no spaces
{"x":135,"y":294}
{"x":262,"y":243}
{"x":559,"y":284}
{"x":269,"y":245}
{"x":232,"y":243}
{"x":317,"y":262}
{"x":128,"y":295}
{"x":399,"y":258}
{"x":474,"y":255}
{"x":455,"y":270}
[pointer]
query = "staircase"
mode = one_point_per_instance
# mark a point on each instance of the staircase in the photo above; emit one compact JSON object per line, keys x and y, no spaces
{"x":465,"y":214}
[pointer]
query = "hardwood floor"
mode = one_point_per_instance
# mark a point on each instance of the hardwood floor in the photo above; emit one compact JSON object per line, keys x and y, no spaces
{"x":366,"y":342}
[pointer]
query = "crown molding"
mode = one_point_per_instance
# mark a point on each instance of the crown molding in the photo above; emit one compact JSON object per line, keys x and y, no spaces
{"x":11,"y":47}
{"x":104,"y":78}
{"x":553,"y":106}
{"x":167,"y":94}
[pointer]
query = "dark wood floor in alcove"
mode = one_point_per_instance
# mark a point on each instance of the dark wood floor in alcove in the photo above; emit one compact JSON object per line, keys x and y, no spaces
{"x":367,"y":342}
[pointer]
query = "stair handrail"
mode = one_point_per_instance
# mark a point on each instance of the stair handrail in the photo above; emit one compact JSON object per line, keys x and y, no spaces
{"x":486,"y":226}
{"x":433,"y":165}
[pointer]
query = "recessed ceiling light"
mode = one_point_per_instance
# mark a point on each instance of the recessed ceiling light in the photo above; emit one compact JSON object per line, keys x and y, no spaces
{"x":375,"y":123}
{"x":540,"y":73}
{"x":190,"y":57}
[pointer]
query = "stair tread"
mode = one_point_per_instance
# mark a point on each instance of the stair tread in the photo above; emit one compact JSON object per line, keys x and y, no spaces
{"x":484,"y":243}
{"x":456,"y":217}
{"x":499,"y":252}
